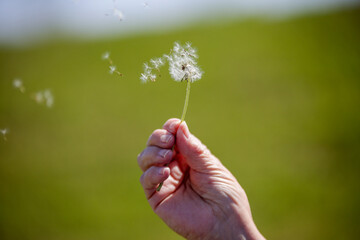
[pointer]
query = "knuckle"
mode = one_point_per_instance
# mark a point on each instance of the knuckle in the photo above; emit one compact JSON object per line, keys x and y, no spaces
{"x":155,"y":135}
{"x":157,"y":132}
{"x":171,"y":125}
{"x":142,"y":178}
{"x":200,"y":148}
{"x":139,"y":157}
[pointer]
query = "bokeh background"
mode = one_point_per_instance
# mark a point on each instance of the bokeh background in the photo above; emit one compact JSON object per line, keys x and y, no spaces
{"x":278,"y":104}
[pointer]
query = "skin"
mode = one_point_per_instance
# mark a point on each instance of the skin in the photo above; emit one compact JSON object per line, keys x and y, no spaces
{"x":200,"y":198}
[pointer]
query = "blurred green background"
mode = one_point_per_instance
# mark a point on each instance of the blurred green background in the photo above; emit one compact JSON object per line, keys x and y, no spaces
{"x":278,"y":104}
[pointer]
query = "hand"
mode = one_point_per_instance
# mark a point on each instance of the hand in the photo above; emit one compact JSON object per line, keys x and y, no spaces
{"x":200,"y":198}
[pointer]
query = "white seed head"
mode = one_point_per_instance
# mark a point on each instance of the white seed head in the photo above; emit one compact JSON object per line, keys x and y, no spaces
{"x":182,"y":63}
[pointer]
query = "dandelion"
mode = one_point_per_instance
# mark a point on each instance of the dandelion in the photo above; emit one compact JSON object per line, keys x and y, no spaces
{"x":4,"y":132}
{"x":183,"y":66}
{"x":145,"y":4}
{"x":18,"y":84}
{"x":182,"y":63}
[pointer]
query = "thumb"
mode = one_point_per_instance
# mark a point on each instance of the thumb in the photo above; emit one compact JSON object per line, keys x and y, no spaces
{"x":196,"y":154}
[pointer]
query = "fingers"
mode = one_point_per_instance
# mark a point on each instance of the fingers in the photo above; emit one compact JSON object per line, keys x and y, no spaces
{"x":172,"y":125}
{"x":159,"y":151}
{"x":154,"y":156}
{"x":161,"y":138}
{"x":196,"y":154}
{"x":152,"y":177}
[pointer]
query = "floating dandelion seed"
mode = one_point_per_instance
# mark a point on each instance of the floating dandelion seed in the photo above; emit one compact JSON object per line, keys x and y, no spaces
{"x":45,"y":96}
{"x":106,"y":56}
{"x":182,"y":67}
{"x":49,"y":98}
{"x":18,"y":84}
{"x":148,"y":74}
{"x":117,"y":13}
{"x":4,"y":132}
{"x":39,"y":97}
{"x":112,"y":68}
{"x":145,"y":4}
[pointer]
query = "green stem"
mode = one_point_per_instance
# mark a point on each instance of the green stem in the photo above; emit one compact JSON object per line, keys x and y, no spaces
{"x":186,"y":101}
{"x":182,"y":118}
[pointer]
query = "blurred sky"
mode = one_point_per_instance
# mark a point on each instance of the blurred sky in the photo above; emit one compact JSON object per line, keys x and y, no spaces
{"x":23,"y":21}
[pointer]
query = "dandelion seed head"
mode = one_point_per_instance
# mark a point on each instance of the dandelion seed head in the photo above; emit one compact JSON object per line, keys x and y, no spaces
{"x":182,"y":63}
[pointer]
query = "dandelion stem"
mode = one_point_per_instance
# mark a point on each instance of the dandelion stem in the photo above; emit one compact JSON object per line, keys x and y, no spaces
{"x":182,"y":119}
{"x":186,"y":101}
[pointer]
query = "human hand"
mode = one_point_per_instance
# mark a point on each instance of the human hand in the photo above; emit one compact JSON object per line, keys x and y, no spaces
{"x":200,"y":198}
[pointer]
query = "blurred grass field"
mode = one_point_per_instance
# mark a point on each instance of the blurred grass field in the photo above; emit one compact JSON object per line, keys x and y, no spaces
{"x":278,"y":104}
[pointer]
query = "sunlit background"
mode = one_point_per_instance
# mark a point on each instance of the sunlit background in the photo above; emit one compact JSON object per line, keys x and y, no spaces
{"x":278,"y":104}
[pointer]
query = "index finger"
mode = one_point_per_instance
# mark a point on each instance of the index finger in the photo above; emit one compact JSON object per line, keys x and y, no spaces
{"x":172,"y":125}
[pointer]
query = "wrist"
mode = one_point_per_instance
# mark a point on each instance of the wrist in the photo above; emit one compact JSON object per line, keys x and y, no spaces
{"x":237,"y":225}
{"x":245,"y":230}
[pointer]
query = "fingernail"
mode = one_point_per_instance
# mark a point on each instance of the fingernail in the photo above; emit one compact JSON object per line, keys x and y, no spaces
{"x":185,"y":130}
{"x":166,"y":138}
{"x":163,"y":153}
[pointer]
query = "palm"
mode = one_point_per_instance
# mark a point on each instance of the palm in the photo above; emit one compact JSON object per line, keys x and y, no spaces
{"x":181,"y":204}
